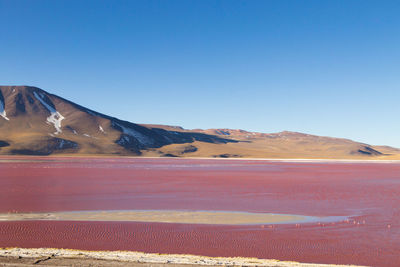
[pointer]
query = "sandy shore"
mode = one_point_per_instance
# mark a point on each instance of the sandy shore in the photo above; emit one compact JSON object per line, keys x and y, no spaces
{"x":50,"y":158}
{"x":164,"y":216}
{"x":63,"y":257}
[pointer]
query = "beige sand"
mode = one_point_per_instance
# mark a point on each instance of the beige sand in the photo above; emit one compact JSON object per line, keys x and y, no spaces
{"x":42,"y":255}
{"x":190,"y":217}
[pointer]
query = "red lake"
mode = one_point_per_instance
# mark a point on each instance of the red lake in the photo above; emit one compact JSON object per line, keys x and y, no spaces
{"x":367,"y":194}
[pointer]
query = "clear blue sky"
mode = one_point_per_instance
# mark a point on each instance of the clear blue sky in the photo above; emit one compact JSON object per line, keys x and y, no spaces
{"x":321,"y":67}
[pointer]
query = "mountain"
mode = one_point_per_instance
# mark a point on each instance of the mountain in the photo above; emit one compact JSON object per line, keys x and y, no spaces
{"x":281,"y":145}
{"x":35,"y":122}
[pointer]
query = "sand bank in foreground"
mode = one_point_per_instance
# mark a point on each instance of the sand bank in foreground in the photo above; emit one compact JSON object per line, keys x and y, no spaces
{"x":130,"y":258}
{"x":164,"y":216}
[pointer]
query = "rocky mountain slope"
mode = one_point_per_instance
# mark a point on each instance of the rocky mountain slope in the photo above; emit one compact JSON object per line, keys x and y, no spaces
{"x":279,"y":145}
{"x":35,"y":122}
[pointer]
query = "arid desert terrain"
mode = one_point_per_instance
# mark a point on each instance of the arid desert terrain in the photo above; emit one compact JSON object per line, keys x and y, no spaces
{"x":35,"y":122}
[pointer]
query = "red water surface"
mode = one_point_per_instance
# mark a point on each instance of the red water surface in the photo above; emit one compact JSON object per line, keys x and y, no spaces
{"x":368,"y":193}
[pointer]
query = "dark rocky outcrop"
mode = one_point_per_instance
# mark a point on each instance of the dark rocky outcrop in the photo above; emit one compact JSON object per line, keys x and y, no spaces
{"x":4,"y":143}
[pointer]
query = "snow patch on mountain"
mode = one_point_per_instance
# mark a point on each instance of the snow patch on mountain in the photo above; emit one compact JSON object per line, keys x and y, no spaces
{"x":3,"y":110}
{"x":101,"y":129}
{"x":144,"y":140}
{"x":55,"y":118}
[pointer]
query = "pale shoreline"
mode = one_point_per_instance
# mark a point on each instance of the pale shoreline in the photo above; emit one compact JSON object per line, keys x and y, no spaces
{"x":46,"y":254}
{"x":10,"y":158}
{"x":171,"y":216}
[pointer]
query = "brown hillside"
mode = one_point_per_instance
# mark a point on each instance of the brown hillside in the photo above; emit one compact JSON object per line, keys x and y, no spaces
{"x":35,"y":122}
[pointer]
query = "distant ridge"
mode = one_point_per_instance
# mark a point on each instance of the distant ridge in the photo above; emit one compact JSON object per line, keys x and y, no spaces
{"x":35,"y":122}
